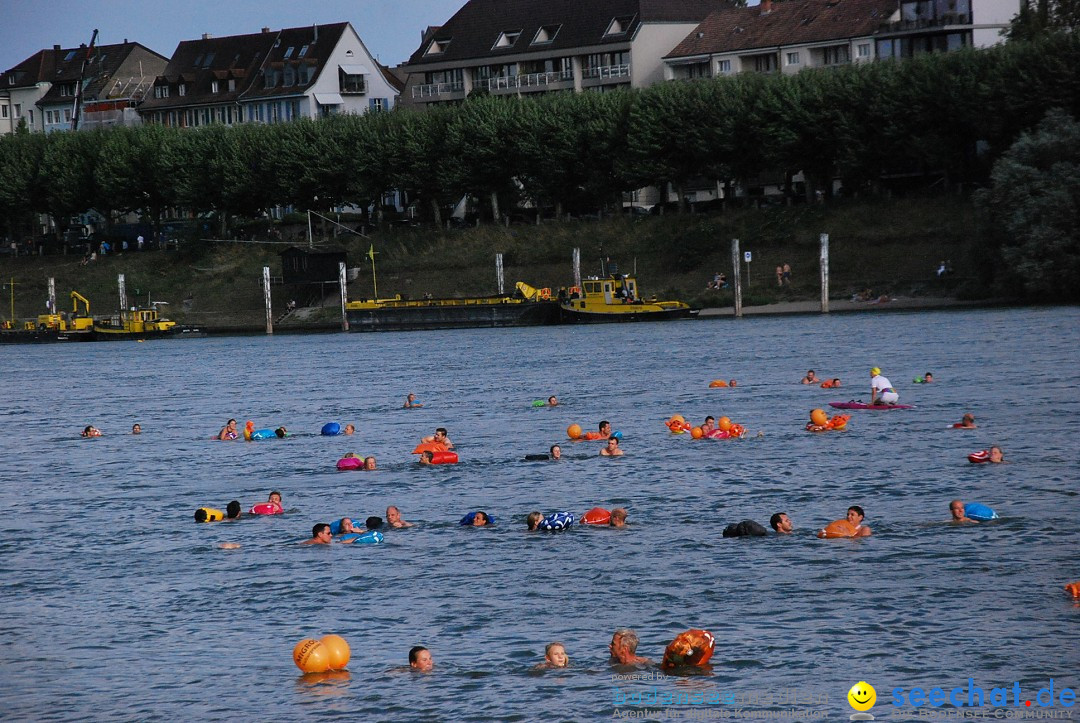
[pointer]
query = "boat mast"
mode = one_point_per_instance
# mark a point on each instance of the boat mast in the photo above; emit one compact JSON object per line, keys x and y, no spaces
{"x":79,"y":86}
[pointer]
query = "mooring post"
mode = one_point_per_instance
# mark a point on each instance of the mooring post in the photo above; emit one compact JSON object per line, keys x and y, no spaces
{"x":266,"y":299}
{"x":737,"y":281}
{"x":824,"y":273}
{"x":344,"y":295}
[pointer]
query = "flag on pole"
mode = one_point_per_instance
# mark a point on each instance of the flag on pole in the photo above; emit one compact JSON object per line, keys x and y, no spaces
{"x":371,"y":252}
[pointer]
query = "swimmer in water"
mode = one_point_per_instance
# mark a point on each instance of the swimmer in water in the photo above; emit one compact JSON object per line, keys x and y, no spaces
{"x":618,"y":517}
{"x":555,"y":452}
{"x":440,"y":438}
{"x":855,"y":516}
{"x":136,"y":428}
{"x":623,"y":647}
{"x":275,"y":499}
{"x":393,"y":518}
{"x":959,"y":516}
{"x":232,"y":511}
{"x":781,"y":523}
{"x":281,"y":432}
{"x":349,"y":429}
{"x":532,"y":521}
{"x":369,"y":463}
{"x":966,"y":422}
{"x":347,"y":527}
{"x":810,"y":378}
{"x":320,"y":535}
{"x":411,"y":403}
{"x":612,"y":448}
{"x":928,"y":378}
{"x":426,"y":457}
{"x":90,"y":431}
{"x":996,"y":456}
{"x":708,"y":426}
{"x":228,"y":432}
{"x":373,"y":523}
{"x":552,"y":401}
{"x":554,"y":657}
{"x":481,"y":519}
{"x":420,"y":659}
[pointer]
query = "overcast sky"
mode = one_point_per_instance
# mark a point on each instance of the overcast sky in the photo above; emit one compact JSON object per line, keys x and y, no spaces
{"x":389,"y":28}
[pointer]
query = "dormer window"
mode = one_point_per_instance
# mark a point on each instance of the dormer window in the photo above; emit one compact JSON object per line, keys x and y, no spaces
{"x":618,"y":25}
{"x":506,"y":39}
{"x":288,"y":52}
{"x":207,"y":60}
{"x":232,"y":84}
{"x":181,"y":89}
{"x":214,"y":86}
{"x":303,"y":51}
{"x":161,"y":91}
{"x":546,"y":34}
{"x":70,"y":55}
{"x":437,"y":47}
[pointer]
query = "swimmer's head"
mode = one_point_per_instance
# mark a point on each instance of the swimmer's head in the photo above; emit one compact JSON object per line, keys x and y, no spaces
{"x":875,"y":371}
{"x":532,"y":520}
{"x":232,"y":510}
{"x":275,"y":497}
{"x":956,"y":508}
{"x":373,"y":523}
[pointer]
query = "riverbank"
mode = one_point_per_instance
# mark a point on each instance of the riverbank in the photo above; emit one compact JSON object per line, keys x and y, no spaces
{"x":889,"y":247}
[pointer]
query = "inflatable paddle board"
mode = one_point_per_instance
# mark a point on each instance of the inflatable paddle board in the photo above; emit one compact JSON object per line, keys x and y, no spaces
{"x":861,"y":405}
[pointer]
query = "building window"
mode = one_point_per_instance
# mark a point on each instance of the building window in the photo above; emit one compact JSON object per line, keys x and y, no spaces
{"x":67,"y":116}
{"x":723,"y":67}
{"x":3,"y":111}
{"x":698,"y":70}
{"x":437,"y":46}
{"x":271,"y":78}
{"x":546,"y":34}
{"x":765,"y":63}
{"x":793,"y":58}
{"x":303,"y":74}
{"x":70,"y":55}
{"x":161,"y":91}
{"x":214,"y":86}
{"x":863,"y":50}
{"x":506,"y":39}
{"x":181,"y":89}
{"x":289,"y":77}
{"x":352,"y":83}
{"x":232,"y":84}
{"x":207,"y":60}
{"x":376,"y":104}
{"x":303,"y":52}
{"x":18,"y":109}
{"x":618,"y":25}
{"x":288,"y":53}
{"x":837,"y":55}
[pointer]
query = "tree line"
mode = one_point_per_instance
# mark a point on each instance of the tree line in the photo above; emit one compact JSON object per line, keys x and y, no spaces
{"x":944,"y":116}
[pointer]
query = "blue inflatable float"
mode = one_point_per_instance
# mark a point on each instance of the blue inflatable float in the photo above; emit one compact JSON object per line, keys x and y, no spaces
{"x":980,"y":512}
{"x":557,"y":521}
{"x":371,"y":537}
{"x":467,"y":520}
{"x":263,"y":434}
{"x":335,"y":526}
{"x":330,"y":429}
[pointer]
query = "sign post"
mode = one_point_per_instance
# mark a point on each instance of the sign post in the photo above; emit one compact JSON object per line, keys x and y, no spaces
{"x":746,"y":257}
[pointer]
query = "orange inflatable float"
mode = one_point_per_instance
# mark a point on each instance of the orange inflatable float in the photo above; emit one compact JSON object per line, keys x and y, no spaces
{"x":697,"y":433}
{"x":592,"y":436}
{"x":694,"y":647}
{"x":1073,"y":588}
{"x":311,"y":656}
{"x":678,"y":424}
{"x":574,"y":431}
{"x":717,"y":383}
{"x":820,"y":422}
{"x":723,"y":424}
{"x":429,"y":447}
{"x":596,"y":516}
{"x":837,"y":528}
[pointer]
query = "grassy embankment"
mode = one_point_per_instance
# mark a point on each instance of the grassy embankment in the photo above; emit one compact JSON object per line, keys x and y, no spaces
{"x":891,"y":247}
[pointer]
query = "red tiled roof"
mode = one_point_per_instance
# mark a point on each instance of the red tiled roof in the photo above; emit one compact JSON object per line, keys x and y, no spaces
{"x":789,"y":23}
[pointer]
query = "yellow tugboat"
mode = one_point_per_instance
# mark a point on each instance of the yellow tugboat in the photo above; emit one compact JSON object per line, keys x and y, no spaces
{"x":134,"y":324}
{"x":616,"y":298}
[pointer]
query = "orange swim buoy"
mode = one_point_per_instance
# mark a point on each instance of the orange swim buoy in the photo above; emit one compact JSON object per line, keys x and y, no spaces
{"x":737,"y":430}
{"x":723,"y":424}
{"x":592,"y":436}
{"x":837,"y":528}
{"x":1073,"y":588}
{"x":717,"y":383}
{"x":574,"y":431}
{"x":819,"y":418}
{"x":596,"y":516}
{"x":839,"y":421}
{"x":827,"y":384}
{"x":697,"y":433}
{"x":429,"y":447}
{"x":694,"y":647}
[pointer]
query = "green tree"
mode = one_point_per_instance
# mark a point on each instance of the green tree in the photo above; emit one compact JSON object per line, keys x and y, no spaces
{"x":1034,"y":210}
{"x":138,"y":170}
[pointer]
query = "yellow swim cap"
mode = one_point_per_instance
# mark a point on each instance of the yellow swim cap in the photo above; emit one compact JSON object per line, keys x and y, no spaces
{"x":875,"y":371}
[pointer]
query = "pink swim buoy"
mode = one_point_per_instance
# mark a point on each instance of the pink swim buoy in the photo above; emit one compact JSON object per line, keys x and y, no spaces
{"x":350,"y":463}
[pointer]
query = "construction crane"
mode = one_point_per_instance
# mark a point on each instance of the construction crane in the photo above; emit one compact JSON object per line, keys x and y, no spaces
{"x":77,"y":110}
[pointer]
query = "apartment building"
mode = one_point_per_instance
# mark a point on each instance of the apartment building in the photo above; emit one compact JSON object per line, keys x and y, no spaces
{"x":270,"y":77}
{"x":537,"y":46}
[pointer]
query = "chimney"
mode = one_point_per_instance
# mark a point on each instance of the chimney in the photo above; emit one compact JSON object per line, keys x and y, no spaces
{"x":266,"y":31}
{"x":56,"y":47}
{"x":766,"y":7}
{"x":315,"y":29}
{"x":207,"y":36}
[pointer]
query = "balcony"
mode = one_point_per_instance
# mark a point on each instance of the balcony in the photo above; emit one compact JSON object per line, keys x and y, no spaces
{"x":436,"y":90}
{"x":914,"y":25}
{"x":540,"y":80}
{"x":604,"y":72}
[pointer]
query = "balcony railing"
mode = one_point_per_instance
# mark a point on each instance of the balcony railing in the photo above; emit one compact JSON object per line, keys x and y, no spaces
{"x":502,"y":82}
{"x":608,"y":71}
{"x":432,"y":90}
{"x":535,"y":79}
{"x":923,"y":23}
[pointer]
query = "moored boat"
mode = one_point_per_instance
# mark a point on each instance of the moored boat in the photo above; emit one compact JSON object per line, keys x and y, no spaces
{"x":400,"y":314}
{"x":134,"y":324}
{"x":616,"y":298}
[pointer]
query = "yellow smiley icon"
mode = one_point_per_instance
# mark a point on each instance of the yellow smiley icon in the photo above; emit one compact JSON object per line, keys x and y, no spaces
{"x":862,"y":696}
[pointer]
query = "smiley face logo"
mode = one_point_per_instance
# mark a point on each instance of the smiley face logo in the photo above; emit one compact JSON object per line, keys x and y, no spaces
{"x":862,"y":696}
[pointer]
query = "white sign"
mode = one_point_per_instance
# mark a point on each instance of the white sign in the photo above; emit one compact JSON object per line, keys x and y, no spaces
{"x":746,"y":256}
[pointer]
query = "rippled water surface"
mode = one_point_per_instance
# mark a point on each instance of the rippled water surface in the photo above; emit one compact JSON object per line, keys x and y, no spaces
{"x":115,"y":604}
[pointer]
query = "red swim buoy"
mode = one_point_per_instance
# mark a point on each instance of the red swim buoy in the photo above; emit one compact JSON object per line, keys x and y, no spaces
{"x":983,"y":455}
{"x":694,"y":647}
{"x":444,"y":457}
{"x":596,"y":516}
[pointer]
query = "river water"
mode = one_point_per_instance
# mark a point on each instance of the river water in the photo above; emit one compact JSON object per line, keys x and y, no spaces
{"x":115,"y":604}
